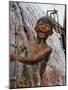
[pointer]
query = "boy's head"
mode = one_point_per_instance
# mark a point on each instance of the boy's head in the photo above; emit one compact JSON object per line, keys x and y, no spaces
{"x":43,"y":28}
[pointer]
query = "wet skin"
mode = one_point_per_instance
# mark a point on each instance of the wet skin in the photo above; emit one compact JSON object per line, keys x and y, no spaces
{"x":38,"y":52}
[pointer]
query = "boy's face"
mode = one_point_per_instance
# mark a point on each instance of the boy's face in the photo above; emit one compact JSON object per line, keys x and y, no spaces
{"x":43,"y":30}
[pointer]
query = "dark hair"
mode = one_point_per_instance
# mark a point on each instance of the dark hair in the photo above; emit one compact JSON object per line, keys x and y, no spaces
{"x":47,"y":20}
